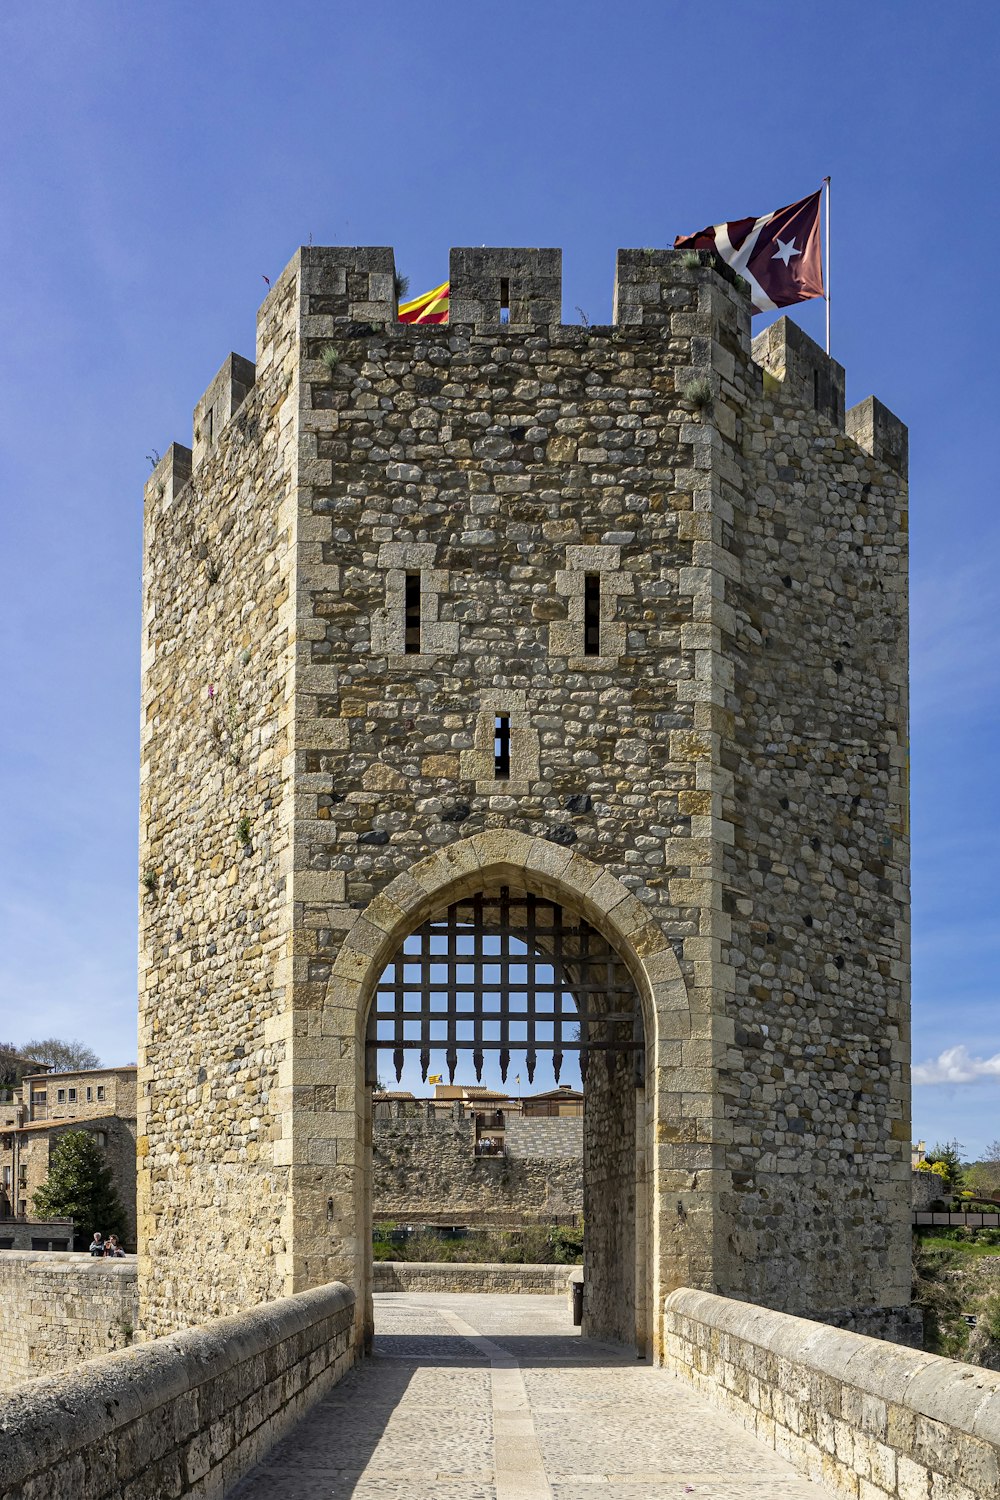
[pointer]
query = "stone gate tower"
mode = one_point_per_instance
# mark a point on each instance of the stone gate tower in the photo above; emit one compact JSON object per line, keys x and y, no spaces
{"x":667,"y":571}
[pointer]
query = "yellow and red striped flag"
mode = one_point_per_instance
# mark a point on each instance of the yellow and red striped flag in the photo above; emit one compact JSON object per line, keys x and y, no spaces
{"x":432,"y":307}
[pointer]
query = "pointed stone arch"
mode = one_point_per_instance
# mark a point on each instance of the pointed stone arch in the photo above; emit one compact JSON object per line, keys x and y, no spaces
{"x":487,"y":861}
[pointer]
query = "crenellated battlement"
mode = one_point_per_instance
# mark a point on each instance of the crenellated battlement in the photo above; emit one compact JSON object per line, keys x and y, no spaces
{"x":220,"y":402}
{"x":519,"y":290}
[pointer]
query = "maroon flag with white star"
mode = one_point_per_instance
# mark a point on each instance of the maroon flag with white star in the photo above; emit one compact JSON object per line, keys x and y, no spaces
{"x":778,"y":254}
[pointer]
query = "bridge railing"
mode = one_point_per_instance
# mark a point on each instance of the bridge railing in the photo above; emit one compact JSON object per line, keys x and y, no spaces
{"x":862,"y":1416}
{"x":190,"y":1413}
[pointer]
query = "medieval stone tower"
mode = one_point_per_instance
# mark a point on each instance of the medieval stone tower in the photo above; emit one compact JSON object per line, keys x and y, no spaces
{"x":613,"y":617}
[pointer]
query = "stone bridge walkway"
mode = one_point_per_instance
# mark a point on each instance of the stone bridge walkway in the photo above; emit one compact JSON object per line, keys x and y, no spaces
{"x":498,"y":1398}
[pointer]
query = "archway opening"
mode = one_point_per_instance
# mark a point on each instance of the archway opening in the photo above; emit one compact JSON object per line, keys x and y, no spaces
{"x":505,"y":1049}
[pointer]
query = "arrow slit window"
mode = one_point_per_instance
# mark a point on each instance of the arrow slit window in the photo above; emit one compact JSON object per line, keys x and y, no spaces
{"x":412,"y":615}
{"x":501,"y":747}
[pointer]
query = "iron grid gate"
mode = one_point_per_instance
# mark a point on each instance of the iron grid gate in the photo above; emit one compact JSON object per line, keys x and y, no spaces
{"x":504,"y":972}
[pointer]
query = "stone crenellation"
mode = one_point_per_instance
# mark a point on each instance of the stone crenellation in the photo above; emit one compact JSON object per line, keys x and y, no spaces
{"x":720,"y":787}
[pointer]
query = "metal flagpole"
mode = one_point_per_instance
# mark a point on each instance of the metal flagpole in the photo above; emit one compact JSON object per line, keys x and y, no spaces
{"x":827,"y":181}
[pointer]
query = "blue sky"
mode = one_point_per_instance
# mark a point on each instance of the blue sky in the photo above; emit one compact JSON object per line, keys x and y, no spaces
{"x":160,"y":160}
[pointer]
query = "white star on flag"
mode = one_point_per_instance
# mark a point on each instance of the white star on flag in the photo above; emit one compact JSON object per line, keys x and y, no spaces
{"x":766,"y":253}
{"x":785,"y":251}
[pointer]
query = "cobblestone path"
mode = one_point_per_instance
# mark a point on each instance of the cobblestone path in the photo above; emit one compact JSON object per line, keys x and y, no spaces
{"x":498,"y":1398}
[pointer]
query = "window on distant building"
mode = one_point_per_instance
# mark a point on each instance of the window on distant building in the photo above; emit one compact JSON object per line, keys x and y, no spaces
{"x":72,"y":1096}
{"x":100,"y":1092}
{"x":101,"y":1138}
{"x":61,"y":1096}
{"x":90,"y":1095}
{"x":40,"y":1096}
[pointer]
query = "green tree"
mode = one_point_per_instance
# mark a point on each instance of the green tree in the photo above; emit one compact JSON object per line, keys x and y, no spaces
{"x":64,"y":1056}
{"x":948,"y":1155}
{"x":80,"y":1187}
{"x":983,"y":1176}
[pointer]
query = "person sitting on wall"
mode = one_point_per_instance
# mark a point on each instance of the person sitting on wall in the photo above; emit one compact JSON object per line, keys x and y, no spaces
{"x":112,"y":1249}
{"x":97,"y":1244}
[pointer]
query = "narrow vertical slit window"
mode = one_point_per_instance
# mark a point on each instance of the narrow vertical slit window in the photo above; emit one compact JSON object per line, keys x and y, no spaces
{"x":412,"y":623}
{"x":501,"y":747}
{"x":504,"y":299}
{"x":815,"y":390}
{"x":592,"y":614}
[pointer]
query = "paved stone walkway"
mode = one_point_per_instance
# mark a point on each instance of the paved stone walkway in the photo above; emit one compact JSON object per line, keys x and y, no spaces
{"x":498,"y":1398}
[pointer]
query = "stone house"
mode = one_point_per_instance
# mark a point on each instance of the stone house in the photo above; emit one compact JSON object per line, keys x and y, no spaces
{"x":102,"y":1100}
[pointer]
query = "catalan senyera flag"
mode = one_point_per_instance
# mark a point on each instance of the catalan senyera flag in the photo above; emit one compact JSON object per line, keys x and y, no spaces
{"x":778,"y":254}
{"x":432,"y":307}
{"x":434,"y":1077}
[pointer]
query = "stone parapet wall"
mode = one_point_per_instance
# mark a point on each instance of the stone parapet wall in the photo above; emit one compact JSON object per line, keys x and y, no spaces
{"x":60,"y":1309}
{"x":434,"y":1276}
{"x":425,"y":1170}
{"x":185,"y":1415}
{"x":866,"y":1418}
{"x":926,"y":1188}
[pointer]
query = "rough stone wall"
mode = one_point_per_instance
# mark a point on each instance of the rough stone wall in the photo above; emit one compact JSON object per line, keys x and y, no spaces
{"x":216,"y":795}
{"x":859,"y":1416}
{"x":609,"y":1201}
{"x":189,"y":1414}
{"x":503,"y":463}
{"x":925,"y":1188}
{"x":812,"y":531}
{"x":60,"y":1309}
{"x":425,"y":1171}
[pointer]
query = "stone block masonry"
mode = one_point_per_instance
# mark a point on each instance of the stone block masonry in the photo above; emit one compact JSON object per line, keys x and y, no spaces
{"x":868,"y":1419}
{"x":184,"y":1415}
{"x":720,"y":788}
{"x":454,"y":1276}
{"x":60,"y":1309}
{"x":425,"y":1170}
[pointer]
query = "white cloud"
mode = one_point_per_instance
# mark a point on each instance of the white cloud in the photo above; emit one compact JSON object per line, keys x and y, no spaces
{"x":954,"y":1065}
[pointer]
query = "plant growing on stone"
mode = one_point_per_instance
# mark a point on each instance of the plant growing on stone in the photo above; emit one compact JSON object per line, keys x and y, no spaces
{"x":80,"y":1187}
{"x":329,"y":358}
{"x":149,"y":882}
{"x":225,"y":723}
{"x":690,"y":260}
{"x":699,"y":393}
{"x":402,"y":284}
{"x":243,"y":832}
